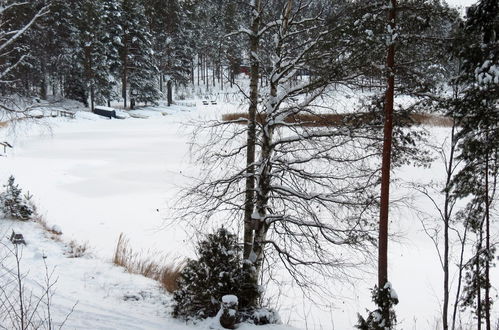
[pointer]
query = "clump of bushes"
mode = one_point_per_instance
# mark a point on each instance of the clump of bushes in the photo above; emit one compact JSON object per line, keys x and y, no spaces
{"x":14,"y":204}
{"x":216,"y":273}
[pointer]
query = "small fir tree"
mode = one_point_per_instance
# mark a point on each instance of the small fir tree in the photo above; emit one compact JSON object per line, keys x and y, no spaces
{"x":216,"y":273}
{"x":385,"y":298}
{"x":13,"y":203}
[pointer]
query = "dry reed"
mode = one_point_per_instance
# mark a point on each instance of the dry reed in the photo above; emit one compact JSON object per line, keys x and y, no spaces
{"x":155,"y":268}
{"x":347,"y":119}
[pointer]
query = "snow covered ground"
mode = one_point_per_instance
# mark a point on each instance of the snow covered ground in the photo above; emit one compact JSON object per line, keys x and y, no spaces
{"x":96,"y":178}
{"x":93,"y":294}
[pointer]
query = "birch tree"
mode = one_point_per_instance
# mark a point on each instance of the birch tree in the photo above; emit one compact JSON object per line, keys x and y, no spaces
{"x":313,"y":185}
{"x":254,"y":41}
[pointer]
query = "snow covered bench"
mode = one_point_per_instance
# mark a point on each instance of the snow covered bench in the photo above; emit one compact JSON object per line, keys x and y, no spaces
{"x":64,"y":113}
{"x":5,"y":145}
{"x":57,"y":113}
{"x":105,"y":111}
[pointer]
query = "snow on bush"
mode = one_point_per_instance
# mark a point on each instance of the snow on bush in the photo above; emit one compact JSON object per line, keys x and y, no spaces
{"x":216,"y":273}
{"x":385,"y":299}
{"x":15,"y":205}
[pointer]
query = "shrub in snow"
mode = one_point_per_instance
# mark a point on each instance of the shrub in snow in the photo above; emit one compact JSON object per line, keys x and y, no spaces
{"x":15,"y":205}
{"x":384,"y":298}
{"x":76,"y":250}
{"x":262,"y":316}
{"x":56,"y":230}
{"x":216,"y":273}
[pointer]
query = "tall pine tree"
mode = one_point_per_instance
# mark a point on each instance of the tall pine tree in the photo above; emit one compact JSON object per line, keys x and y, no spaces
{"x":478,"y":118}
{"x":138,"y":70}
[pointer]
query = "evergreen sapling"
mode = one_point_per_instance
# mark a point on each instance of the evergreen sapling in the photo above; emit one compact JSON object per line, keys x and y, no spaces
{"x":13,"y":204}
{"x":216,"y":273}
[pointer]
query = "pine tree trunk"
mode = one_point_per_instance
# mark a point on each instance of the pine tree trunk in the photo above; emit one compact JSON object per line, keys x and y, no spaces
{"x":221,"y":75}
{"x":478,"y":283}
{"x":124,"y":80}
{"x":192,"y":72}
{"x":61,"y":86}
{"x":43,"y":83}
{"x":169,"y":96}
{"x":43,"y":88}
{"x":386,"y":164}
{"x":92,"y":97}
{"x":132,"y":100}
{"x":447,"y":216}
{"x":207,"y":78}
{"x":487,"y":243}
{"x":202,"y":69}
{"x":199,"y":64}
{"x":213,"y":73}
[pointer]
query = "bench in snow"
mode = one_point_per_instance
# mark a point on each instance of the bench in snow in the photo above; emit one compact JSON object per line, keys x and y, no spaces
{"x":5,"y":145}
{"x":105,"y":111}
{"x":64,"y":113}
{"x":58,"y":113}
{"x":17,"y":238}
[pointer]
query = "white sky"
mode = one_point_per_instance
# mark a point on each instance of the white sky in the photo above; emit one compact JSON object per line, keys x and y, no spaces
{"x":463,"y":3}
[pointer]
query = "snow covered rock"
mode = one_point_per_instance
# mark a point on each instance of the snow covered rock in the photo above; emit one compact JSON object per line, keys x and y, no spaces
{"x":228,"y":317}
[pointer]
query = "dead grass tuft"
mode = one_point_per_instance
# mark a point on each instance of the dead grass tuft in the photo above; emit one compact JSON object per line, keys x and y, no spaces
{"x":53,"y":234}
{"x":76,"y":249}
{"x":170,"y":275}
{"x":155,"y":268}
{"x":432,"y":120}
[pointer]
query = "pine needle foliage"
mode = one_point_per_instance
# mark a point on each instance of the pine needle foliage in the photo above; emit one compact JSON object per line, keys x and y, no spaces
{"x":374,"y":321}
{"x":217,"y":272}
{"x":13,"y":204}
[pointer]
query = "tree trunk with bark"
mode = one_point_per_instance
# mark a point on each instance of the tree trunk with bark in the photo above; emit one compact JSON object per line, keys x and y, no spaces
{"x":386,"y":162}
{"x":487,"y":243}
{"x":447,"y":218}
{"x":169,"y":93}
{"x":251,"y":138}
{"x":124,"y":77}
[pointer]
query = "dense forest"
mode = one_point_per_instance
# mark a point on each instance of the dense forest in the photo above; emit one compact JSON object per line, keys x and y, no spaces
{"x":310,"y":183}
